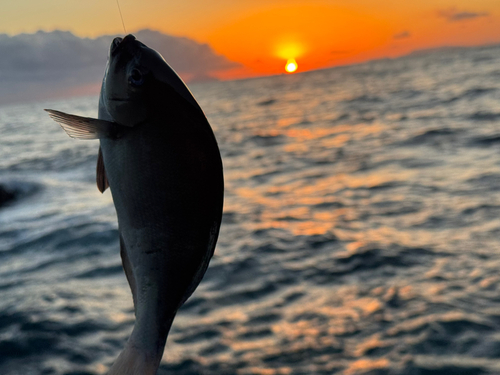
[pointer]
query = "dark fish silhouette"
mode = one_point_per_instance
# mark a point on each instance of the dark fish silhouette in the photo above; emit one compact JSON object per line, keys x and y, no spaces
{"x":159,"y":156}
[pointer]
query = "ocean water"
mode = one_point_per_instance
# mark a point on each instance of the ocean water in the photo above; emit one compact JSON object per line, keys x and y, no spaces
{"x":361,"y":229}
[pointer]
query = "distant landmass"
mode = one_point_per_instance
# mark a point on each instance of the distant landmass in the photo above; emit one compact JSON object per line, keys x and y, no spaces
{"x":442,"y":49}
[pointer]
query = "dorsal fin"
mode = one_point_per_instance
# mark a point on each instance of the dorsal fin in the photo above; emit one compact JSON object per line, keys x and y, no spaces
{"x":101,"y":178}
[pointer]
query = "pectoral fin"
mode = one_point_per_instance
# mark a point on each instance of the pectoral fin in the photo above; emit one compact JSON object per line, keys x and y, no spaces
{"x":84,"y":127}
{"x":101,"y":178}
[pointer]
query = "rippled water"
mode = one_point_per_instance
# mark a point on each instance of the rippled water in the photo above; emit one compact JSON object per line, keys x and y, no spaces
{"x":361,"y":231}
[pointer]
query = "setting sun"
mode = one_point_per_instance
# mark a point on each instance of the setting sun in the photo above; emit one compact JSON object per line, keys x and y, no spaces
{"x":291,"y":66}
{"x":318,"y":35}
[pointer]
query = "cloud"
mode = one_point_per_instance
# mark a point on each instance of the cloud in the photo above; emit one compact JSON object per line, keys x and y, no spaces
{"x":34,"y":66}
{"x":185,"y":55}
{"x":454,"y":15}
{"x":402,"y":35}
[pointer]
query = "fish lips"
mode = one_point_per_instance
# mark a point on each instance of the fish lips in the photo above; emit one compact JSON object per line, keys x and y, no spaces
{"x":116,"y":42}
{"x":119,"y":43}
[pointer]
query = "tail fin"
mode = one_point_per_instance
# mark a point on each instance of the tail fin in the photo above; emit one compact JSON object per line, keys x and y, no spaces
{"x":133,"y":361}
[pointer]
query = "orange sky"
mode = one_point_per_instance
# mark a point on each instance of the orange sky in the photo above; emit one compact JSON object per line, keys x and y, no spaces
{"x":263,"y":34}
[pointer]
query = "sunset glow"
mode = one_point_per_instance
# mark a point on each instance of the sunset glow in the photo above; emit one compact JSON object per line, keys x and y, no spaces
{"x":289,"y":50}
{"x":318,"y":35}
{"x":259,"y":36}
{"x":291,"y":66}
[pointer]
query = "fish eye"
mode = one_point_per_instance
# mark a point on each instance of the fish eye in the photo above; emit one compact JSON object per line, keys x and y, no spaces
{"x":136,"y":78}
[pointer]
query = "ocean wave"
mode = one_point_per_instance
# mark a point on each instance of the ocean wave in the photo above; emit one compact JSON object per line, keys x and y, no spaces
{"x":267,"y":102}
{"x":484,"y":116}
{"x":13,"y":191}
{"x":360,"y":232}
{"x":485,"y":181}
{"x":433,"y":137}
{"x":60,"y":161}
{"x":486,"y":141}
{"x":267,"y":140}
{"x":365,"y":260}
{"x":365,"y":99}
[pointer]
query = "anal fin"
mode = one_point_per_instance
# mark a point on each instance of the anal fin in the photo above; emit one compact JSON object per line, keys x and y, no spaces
{"x":127,"y":267}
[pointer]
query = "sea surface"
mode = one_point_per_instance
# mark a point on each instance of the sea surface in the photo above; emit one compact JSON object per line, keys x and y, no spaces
{"x":361,"y":229}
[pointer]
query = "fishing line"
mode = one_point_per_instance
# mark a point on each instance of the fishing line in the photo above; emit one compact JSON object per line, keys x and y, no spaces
{"x":119,"y":10}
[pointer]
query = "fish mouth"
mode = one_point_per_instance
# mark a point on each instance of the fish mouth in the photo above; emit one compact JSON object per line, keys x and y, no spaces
{"x":119,"y":42}
{"x":116,"y":42}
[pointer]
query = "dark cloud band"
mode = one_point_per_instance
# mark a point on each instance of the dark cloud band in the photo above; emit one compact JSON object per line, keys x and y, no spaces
{"x":454,"y":15}
{"x":52,"y":62}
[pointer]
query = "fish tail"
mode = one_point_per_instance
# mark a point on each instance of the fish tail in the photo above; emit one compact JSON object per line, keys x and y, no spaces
{"x":133,"y":361}
{"x":144,"y":348}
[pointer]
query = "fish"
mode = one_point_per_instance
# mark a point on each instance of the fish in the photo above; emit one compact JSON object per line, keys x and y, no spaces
{"x":159,"y":157}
